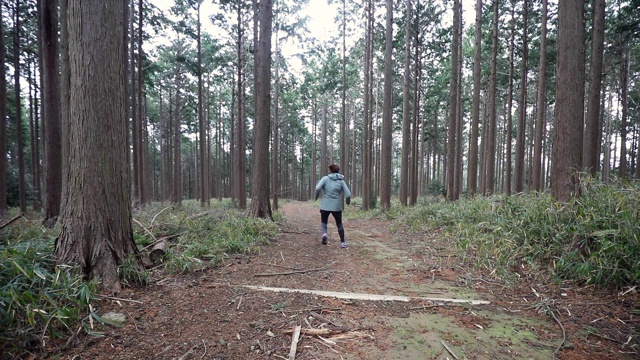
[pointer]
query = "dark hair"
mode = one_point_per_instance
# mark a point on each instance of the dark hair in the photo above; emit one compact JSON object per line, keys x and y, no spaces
{"x":334,"y":168}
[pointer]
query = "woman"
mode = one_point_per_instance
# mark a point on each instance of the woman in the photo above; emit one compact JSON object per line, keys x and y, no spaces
{"x":332,"y":187}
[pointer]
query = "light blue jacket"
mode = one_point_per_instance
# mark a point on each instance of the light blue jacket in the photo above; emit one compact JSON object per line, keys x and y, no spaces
{"x":332,"y":186}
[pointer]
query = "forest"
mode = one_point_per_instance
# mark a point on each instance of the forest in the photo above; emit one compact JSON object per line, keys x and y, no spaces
{"x":109,"y":109}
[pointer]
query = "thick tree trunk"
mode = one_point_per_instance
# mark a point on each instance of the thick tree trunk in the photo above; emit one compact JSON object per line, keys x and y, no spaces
{"x":567,"y":142}
{"x":490,"y":158}
{"x":260,"y":205}
{"x":96,"y":234}
{"x":51,"y":110}
{"x":453,"y":106}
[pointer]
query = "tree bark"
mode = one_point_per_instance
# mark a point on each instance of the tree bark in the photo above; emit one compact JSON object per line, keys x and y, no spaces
{"x":96,"y":234}
{"x":509,"y":136}
{"x":472,"y":176}
{"x":241,"y":123}
{"x":275,"y":178}
{"x":536,"y":170}
{"x":177,"y":190}
{"x":344,"y":125}
{"x":453,"y":106}
{"x":260,"y":205}
{"x":387,"y":120}
{"x":567,"y":149}
{"x":204,"y":179}
{"x":51,"y":110}
{"x":624,"y":88}
{"x":367,"y":150}
{"x":522,"y":105}
{"x":142,"y":148}
{"x":490,"y":158}
{"x":405,"y":180}
{"x":590,"y":147}
{"x":20,"y":142}
{"x":3,"y":124}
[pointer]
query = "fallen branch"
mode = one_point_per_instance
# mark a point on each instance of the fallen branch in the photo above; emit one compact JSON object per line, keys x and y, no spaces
{"x":323,"y":332}
{"x":290,"y":272}
{"x":280,"y":266}
{"x":164,"y":238}
{"x":294,"y":343}
{"x":564,"y":334}
{"x":145,"y":229}
{"x":322,"y":318}
{"x":8,"y":222}
{"x":156,"y":215}
{"x":120,"y":299}
{"x":294,"y":232}
{"x":449,"y":349}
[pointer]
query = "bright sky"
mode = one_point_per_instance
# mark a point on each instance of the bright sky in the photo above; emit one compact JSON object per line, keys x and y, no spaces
{"x":321,"y":24}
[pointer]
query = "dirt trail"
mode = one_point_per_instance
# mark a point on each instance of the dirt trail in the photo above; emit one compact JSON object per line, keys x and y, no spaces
{"x":210,"y":315}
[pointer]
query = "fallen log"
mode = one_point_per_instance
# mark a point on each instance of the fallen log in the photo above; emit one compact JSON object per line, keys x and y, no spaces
{"x":369,"y":297}
{"x":158,"y":252}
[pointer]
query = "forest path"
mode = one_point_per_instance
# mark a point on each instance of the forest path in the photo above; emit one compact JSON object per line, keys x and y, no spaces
{"x":212,"y":314}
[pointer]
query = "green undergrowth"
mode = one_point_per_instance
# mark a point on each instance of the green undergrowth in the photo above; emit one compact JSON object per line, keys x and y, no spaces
{"x":41,"y":302}
{"x":591,"y":239}
{"x":198,"y":238}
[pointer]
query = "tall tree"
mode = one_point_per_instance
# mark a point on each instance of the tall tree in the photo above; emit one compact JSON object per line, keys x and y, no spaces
{"x":96,"y":235}
{"x":522,"y":104}
{"x":204,"y":144}
{"x":536,"y":170}
{"x":140,"y":137}
{"x":240,"y":178}
{"x":275,"y":147}
{"x":133,"y":100}
{"x":624,"y":99}
{"x":48,"y":13}
{"x":567,"y":141}
{"x":387,"y":108}
{"x":590,"y":146}
{"x":472,"y":177}
{"x":176,"y":181}
{"x":451,"y":187}
{"x":509,"y":136}
{"x":344,"y":124}
{"x":367,"y":142}
{"x":260,"y":206}
{"x":16,"y":77}
{"x":490,"y":158}
{"x":3,"y":124}
{"x":405,"y":182}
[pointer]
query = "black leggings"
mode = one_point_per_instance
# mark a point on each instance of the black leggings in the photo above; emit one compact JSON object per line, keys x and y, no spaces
{"x":337,"y":215}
